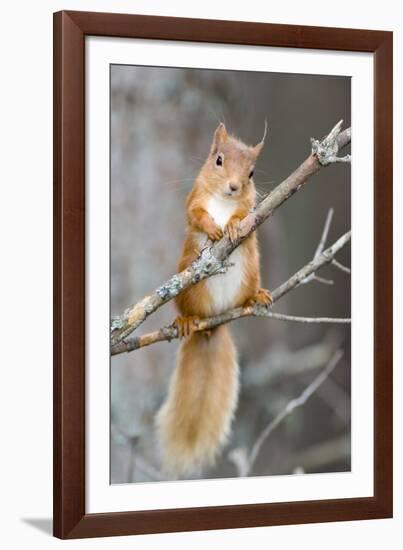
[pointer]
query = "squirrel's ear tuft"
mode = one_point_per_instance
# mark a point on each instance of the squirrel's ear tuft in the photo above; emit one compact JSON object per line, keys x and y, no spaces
{"x":258,"y":148}
{"x":220,"y":137}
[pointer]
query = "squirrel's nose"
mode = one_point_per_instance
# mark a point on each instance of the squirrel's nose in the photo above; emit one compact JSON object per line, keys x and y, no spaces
{"x":233,"y":186}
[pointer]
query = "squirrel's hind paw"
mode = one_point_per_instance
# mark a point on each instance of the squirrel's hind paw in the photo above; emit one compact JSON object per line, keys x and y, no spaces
{"x":262,"y":297}
{"x":186,"y":325}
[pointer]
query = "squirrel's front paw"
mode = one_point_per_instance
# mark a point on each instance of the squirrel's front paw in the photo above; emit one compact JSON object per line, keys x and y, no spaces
{"x":214,"y":232}
{"x":262,"y":297}
{"x":186,"y":325}
{"x":233,"y":229}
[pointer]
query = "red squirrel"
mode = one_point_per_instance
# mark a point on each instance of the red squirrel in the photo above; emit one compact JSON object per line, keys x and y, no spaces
{"x":195,"y":420}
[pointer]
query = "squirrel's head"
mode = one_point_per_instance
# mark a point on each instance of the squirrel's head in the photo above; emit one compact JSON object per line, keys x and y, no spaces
{"x":231,"y":164}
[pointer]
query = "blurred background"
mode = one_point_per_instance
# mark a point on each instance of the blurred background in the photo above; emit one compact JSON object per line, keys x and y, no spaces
{"x":162,"y":123}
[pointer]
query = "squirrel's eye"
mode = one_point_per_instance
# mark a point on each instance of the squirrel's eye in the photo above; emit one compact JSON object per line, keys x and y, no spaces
{"x":251,"y":174}
{"x":219,"y":160}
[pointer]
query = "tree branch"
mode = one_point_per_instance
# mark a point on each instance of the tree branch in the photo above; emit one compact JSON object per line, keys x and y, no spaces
{"x":169,"y":333}
{"x":327,"y":149}
{"x":245,"y":461}
{"x":214,"y":259}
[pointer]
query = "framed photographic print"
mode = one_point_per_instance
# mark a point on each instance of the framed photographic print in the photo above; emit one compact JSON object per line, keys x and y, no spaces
{"x":223,"y":274}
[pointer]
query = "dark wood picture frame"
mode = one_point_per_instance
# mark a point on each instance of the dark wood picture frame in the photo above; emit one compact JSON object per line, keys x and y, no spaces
{"x":70,"y":517}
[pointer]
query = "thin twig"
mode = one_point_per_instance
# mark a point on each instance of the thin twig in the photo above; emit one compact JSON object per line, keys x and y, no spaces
{"x":298,"y":319}
{"x":290,"y":407}
{"x":323,"y":280}
{"x":325,"y":234}
{"x":341,"y":266}
{"x":319,"y":250}
{"x":313,"y":266}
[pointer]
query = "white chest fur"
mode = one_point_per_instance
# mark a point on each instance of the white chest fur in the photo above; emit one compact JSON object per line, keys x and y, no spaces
{"x":221,"y":209}
{"x":224,"y":288}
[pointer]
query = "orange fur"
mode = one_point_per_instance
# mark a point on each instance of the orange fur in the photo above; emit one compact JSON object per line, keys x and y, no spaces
{"x":195,"y":420}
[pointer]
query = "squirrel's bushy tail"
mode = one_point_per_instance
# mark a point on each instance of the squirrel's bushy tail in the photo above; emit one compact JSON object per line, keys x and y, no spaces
{"x":195,"y":420}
